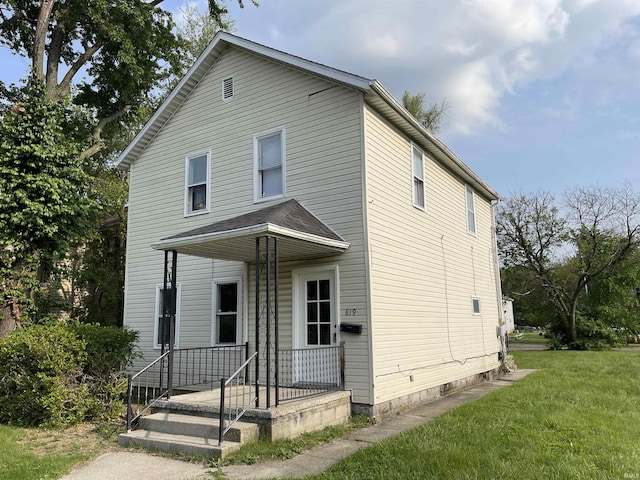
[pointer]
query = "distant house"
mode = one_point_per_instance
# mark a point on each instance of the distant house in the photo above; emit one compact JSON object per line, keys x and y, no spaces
{"x":507,"y":311}
{"x":381,"y":240}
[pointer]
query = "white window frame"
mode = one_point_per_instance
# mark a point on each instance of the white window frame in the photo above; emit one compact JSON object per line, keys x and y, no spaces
{"x":257,"y":177}
{"x":239,"y":313}
{"x":422,"y":207}
{"x":188,"y":212}
{"x":475,"y":299}
{"x":233,"y":89}
{"x":470,"y":209}
{"x":158,"y":309}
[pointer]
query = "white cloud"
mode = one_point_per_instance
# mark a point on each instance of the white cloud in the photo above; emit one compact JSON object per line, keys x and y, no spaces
{"x":471,"y":52}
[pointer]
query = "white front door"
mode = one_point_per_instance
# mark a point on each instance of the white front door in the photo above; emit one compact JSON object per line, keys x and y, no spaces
{"x":315,"y":323}
{"x":315,"y":310}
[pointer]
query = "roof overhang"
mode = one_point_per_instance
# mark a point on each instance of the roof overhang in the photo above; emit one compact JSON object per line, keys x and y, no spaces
{"x":240,"y":244}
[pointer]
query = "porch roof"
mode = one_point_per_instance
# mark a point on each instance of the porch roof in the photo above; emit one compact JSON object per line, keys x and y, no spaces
{"x":300,"y":234}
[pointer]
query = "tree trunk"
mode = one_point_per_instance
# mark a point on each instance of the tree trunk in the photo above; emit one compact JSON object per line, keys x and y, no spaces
{"x":10,"y":320}
{"x":572,"y":333}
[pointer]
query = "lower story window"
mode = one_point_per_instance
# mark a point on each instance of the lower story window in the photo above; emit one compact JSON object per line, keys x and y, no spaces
{"x":162,"y":327}
{"x":227,"y":304}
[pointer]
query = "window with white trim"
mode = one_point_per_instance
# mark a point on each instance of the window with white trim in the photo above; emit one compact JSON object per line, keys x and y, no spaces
{"x":471,"y":210}
{"x":475,"y":305}
{"x":227,"y":304}
{"x":227,"y":89}
{"x":162,"y":325}
{"x":417,"y":161}
{"x":269,"y":164}
{"x":197,"y":183}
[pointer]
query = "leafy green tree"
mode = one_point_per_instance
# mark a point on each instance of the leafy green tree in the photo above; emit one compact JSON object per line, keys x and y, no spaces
{"x":593,"y":240}
{"x":430,"y":117}
{"x":124,"y":50}
{"x":44,"y":192}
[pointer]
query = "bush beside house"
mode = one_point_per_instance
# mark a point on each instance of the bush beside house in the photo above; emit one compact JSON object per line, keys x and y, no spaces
{"x":60,"y":374}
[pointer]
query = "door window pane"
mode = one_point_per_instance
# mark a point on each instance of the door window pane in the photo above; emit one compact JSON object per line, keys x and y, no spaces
{"x":312,"y":290}
{"x":324,"y":290}
{"x":318,"y":312}
{"x":312,"y":312}
{"x":325,"y":311}
{"x":312,"y":334}
{"x":325,"y":334}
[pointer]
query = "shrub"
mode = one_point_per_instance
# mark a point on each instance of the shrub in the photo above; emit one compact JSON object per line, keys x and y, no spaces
{"x":55,"y":375}
{"x":41,"y":376}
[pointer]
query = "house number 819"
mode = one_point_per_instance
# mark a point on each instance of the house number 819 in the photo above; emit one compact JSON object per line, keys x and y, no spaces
{"x":350,"y":312}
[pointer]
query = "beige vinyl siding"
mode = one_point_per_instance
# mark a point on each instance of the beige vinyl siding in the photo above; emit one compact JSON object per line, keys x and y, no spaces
{"x":323,"y":172}
{"x":425,"y":268}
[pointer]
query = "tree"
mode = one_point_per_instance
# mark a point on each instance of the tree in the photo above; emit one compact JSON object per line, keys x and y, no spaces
{"x":597,"y":235}
{"x":44,"y":193}
{"x":431,"y":118}
{"x":125,"y":50}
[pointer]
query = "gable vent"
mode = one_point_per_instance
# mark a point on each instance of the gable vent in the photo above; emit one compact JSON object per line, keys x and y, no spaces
{"x":227,"y":88}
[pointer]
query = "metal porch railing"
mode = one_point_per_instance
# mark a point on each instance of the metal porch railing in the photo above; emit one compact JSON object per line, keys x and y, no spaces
{"x":311,"y":371}
{"x":192,"y":367}
{"x":237,"y":395}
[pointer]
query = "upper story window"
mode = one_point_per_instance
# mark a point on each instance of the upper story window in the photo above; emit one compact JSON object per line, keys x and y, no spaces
{"x":417,"y":161}
{"x":197,"y":183}
{"x":471,"y":211}
{"x":227,"y":89}
{"x":269,"y":165}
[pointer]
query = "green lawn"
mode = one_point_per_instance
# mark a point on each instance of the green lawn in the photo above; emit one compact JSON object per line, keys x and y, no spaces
{"x":34,"y":454}
{"x":530,"y":337}
{"x":577,"y":418}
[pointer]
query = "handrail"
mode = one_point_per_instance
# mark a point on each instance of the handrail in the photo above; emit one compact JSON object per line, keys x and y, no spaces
{"x":131,"y":419}
{"x":197,"y":366}
{"x":239,"y":377}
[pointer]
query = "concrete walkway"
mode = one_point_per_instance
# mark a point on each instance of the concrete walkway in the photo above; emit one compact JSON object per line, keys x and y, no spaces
{"x":142,"y":466}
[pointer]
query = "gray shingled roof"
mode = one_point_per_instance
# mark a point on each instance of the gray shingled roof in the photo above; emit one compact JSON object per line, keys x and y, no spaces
{"x":289,"y":214}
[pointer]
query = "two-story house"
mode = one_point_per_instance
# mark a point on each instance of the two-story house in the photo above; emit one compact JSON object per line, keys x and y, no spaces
{"x":384,"y":239}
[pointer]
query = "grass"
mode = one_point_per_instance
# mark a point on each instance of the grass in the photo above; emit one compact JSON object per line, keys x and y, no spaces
{"x":263,"y":451}
{"x":576,"y":418}
{"x":530,"y":337}
{"x":36,"y":454}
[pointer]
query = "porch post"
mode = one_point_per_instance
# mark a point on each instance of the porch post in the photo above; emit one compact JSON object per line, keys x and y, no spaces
{"x":275,"y":315}
{"x":172,"y":316}
{"x":258,"y":322}
{"x":268,"y":332}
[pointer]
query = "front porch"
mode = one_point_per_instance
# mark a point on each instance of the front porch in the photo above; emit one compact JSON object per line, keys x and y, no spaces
{"x":209,"y":414}
{"x":287,"y":387}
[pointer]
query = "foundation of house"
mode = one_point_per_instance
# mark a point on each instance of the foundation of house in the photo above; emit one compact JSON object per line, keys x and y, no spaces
{"x":392,"y":407}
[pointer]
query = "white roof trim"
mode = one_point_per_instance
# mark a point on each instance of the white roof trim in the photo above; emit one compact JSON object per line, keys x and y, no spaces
{"x":253,"y":230}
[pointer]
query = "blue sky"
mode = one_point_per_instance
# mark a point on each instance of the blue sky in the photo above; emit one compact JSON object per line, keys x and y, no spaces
{"x":543,"y":94}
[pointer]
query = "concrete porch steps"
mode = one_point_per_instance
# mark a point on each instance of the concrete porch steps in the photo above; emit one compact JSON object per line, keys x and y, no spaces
{"x":188,"y":434}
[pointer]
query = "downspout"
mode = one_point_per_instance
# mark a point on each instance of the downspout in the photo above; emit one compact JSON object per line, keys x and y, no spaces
{"x":501,"y":323}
